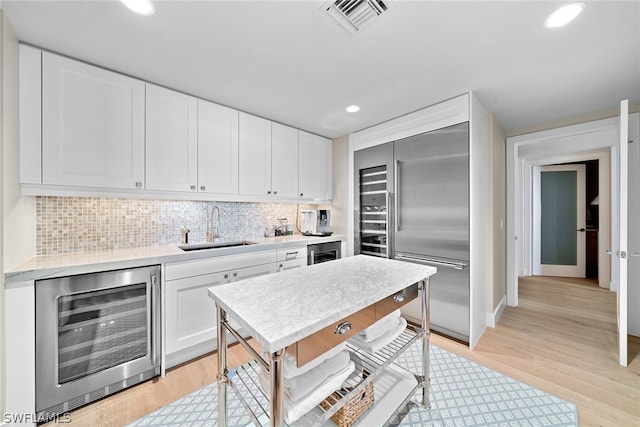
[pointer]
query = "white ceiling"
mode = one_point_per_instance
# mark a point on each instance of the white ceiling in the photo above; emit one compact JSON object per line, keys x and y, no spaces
{"x":286,"y":61}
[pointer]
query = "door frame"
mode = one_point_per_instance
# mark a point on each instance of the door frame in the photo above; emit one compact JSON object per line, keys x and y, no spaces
{"x":585,"y":141}
{"x":538,"y":268}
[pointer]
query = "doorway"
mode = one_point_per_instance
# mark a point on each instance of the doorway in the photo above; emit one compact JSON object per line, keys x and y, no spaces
{"x":571,"y":144}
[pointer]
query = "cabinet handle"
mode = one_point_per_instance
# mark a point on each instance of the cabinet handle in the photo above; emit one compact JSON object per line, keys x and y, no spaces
{"x":193,"y":187}
{"x":268,"y":191}
{"x":226,"y":276}
{"x":138,"y":184}
{"x":343,"y":328}
{"x":301,"y":194}
{"x":275,"y":192}
{"x":202,"y":188}
{"x":235,"y":274}
{"x":280,"y":268}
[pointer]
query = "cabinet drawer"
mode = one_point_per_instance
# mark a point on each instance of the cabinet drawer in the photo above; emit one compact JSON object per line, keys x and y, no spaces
{"x":286,"y":254}
{"x":325,"y":339}
{"x":291,"y":264}
{"x":178,"y":270}
{"x":395,"y":301}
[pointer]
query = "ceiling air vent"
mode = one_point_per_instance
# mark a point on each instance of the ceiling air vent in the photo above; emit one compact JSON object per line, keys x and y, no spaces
{"x":353,"y":15}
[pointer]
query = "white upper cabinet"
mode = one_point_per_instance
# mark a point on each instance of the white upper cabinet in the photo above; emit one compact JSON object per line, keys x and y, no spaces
{"x":217,"y":149}
{"x":92,"y":126}
{"x":172,"y":140}
{"x":255,"y":155}
{"x":315,"y":164}
{"x":87,"y":131}
{"x":284,"y":161}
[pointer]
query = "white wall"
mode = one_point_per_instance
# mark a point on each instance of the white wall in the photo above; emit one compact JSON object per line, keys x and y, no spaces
{"x":17,"y":213}
{"x":340,"y":199}
{"x":497,"y":288}
{"x":2,"y":311}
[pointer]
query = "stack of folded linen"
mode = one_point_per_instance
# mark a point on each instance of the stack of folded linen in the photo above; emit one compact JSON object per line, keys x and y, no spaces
{"x":380,"y":333}
{"x":306,"y":386}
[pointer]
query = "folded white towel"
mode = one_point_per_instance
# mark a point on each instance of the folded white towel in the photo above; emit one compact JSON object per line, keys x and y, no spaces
{"x":294,"y":410}
{"x":291,"y":368}
{"x":380,"y":327}
{"x":301,"y":385}
{"x":377,"y":344}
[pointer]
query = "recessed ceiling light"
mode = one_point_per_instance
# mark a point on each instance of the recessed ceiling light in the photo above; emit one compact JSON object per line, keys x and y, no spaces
{"x":563,"y":15}
{"x":142,"y":7}
{"x":352,"y":109}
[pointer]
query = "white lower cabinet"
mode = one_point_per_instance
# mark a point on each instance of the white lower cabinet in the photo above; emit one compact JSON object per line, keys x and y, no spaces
{"x":190,"y":314}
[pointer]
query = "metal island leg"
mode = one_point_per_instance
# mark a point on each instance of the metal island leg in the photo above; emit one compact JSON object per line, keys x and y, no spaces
{"x":426,"y":381}
{"x":223,"y":373}
{"x":276,"y":370}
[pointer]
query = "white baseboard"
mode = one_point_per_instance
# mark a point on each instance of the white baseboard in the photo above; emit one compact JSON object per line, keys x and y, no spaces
{"x":494,"y":318}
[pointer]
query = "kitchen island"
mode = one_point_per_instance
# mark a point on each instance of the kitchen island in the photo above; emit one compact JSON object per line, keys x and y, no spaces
{"x":308,"y":311}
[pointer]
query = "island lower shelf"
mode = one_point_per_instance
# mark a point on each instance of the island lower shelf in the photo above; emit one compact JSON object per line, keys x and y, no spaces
{"x":380,"y":368}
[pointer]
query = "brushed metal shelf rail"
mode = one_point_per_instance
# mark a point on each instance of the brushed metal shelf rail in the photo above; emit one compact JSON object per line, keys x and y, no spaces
{"x":246,"y":385}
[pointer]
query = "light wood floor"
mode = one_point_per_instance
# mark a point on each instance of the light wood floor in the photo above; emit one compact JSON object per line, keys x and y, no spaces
{"x":561,"y":339}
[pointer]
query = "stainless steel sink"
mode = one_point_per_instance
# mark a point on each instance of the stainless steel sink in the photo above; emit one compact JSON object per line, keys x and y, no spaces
{"x":216,"y":245}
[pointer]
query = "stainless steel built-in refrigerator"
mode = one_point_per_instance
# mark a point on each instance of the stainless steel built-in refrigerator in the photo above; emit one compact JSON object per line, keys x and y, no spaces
{"x":413,"y":205}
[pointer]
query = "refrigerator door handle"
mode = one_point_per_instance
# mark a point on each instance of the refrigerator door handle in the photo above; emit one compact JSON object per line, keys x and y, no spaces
{"x":396,"y":183}
{"x":429,"y":261}
{"x":386,"y":226}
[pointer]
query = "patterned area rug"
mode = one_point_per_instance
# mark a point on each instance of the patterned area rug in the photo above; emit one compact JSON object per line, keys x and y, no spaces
{"x":463,"y":393}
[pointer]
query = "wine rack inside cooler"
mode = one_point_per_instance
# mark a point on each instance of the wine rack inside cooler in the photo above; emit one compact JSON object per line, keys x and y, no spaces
{"x":374,"y":212}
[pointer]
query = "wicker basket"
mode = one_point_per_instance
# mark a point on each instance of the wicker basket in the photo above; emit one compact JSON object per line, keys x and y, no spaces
{"x":354,"y":408}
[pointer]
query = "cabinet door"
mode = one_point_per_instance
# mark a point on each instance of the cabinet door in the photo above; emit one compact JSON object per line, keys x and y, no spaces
{"x":172,"y":140}
{"x":217,"y":148}
{"x":291,"y":264}
{"x":254,"y":155}
{"x":315,"y":167}
{"x":92,"y":126}
{"x":253,"y":271}
{"x":190,"y":313}
{"x":284,"y":160}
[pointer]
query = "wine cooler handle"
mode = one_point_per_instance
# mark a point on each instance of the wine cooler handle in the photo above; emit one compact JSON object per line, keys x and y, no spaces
{"x":155,"y":320}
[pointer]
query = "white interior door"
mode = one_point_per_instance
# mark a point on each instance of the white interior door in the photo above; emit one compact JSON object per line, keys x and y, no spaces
{"x":559,"y":221}
{"x":619,"y":263}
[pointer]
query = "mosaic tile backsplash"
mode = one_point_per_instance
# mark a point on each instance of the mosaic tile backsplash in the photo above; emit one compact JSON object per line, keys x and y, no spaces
{"x":79,"y":224}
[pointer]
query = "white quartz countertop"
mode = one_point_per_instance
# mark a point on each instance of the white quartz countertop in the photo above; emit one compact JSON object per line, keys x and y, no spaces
{"x":44,"y":267}
{"x":280,"y":309}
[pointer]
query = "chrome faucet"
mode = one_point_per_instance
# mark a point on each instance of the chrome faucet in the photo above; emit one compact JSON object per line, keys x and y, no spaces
{"x":213,"y":222}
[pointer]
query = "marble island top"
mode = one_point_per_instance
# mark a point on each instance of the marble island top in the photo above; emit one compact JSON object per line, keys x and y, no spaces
{"x":280,"y":309}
